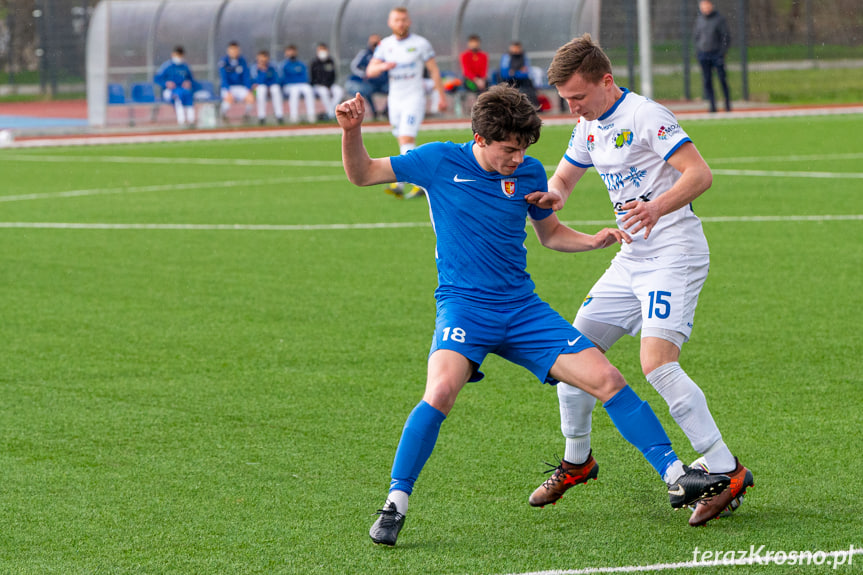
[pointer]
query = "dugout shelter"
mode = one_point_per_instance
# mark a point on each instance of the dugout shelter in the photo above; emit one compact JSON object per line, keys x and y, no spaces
{"x":128,"y":39}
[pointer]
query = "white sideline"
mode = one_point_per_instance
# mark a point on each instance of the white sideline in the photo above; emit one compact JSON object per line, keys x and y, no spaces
{"x":682,"y":565}
{"x":786,"y":174}
{"x":376,"y":226}
{"x":176,"y":160}
{"x":171,"y":187}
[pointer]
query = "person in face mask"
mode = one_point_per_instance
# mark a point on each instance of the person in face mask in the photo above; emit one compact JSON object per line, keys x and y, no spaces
{"x":323,"y":75}
{"x":359,"y":80}
{"x":295,"y":83}
{"x":474,"y":65}
{"x":175,"y":79}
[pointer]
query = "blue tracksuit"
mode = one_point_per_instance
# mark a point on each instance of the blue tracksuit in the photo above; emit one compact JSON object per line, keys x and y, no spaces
{"x":266,"y":77}
{"x":294,"y":72}
{"x":234,"y":72}
{"x":178,"y":74}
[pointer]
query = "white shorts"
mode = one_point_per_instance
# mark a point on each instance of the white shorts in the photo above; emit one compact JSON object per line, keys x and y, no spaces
{"x":238,"y":92}
{"x":651,"y":295}
{"x":406,"y":115}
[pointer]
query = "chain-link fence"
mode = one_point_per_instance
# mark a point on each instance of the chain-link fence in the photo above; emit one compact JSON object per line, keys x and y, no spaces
{"x":42,"y":43}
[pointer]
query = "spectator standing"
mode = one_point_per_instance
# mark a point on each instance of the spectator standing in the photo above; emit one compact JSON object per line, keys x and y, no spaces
{"x":265,"y":81}
{"x":712,"y":40}
{"x":323,"y":73}
{"x":177,"y":83}
{"x":295,"y":77}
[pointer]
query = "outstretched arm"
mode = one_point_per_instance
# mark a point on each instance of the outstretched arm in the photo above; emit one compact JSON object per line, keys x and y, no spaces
{"x":556,"y":236}
{"x":361,"y":169}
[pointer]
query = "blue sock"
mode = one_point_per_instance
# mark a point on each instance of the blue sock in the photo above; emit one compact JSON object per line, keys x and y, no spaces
{"x":637,"y":423}
{"x":418,"y":439}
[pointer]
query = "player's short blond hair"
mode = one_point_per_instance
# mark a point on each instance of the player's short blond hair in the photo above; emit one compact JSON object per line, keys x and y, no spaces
{"x":579,"y":56}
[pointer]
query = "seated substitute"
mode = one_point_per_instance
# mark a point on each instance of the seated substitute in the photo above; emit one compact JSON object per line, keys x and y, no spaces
{"x":266,"y":83}
{"x":178,"y":86}
{"x":295,"y":81}
{"x":323,"y":73}
{"x":359,"y":80}
{"x":236,"y":80}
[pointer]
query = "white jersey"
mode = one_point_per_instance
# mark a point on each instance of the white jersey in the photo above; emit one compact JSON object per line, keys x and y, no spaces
{"x":410,"y":56}
{"x":629,"y":146}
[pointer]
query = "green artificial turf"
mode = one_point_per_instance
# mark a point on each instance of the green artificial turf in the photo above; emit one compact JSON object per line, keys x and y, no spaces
{"x":219,"y":401}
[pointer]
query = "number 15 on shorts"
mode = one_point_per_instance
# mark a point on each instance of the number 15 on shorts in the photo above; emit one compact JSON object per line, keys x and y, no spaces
{"x":659,"y":304}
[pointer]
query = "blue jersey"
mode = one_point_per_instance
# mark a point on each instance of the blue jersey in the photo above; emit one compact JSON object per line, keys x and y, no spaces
{"x":294,"y":72}
{"x":172,"y":72}
{"x":479,"y":220}
{"x":266,"y":77}
{"x":234,"y":72}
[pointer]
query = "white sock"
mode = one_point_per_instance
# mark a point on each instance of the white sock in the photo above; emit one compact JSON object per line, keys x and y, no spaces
{"x":405,"y":148}
{"x":686,"y":404}
{"x":400,"y":498}
{"x":673,"y":473}
{"x":577,"y":449}
{"x":181,"y":116}
{"x":719,"y":458}
{"x":576,"y":407}
{"x":190,"y":114}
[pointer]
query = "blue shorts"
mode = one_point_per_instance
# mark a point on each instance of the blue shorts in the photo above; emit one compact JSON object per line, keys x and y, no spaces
{"x":529,"y":334}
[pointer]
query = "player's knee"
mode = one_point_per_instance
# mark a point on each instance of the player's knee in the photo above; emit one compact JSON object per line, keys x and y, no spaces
{"x":649,"y":363}
{"x":441,"y":395}
{"x":608,"y":383}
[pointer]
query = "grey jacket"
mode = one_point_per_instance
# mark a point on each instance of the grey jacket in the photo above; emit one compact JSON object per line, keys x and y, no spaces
{"x":711,"y":33}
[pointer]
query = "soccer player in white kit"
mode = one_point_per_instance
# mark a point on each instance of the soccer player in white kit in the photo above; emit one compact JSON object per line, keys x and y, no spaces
{"x":653,"y":172}
{"x":405,"y":56}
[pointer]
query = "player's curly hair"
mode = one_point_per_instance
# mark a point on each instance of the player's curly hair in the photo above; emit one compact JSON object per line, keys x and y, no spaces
{"x":502,"y":112}
{"x":581,"y":55}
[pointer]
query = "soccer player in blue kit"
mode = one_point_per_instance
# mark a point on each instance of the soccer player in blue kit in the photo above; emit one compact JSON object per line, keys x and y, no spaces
{"x":485,"y":298}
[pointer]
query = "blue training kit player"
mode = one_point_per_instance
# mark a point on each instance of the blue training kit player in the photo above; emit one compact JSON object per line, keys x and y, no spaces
{"x":178,"y":85}
{"x":485,"y":298}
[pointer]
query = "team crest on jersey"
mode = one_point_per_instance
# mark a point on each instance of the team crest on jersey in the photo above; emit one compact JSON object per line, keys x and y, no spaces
{"x":623,"y":138}
{"x":508,"y":186}
{"x":665,"y":132}
{"x":587,"y":300}
{"x":591,"y":144}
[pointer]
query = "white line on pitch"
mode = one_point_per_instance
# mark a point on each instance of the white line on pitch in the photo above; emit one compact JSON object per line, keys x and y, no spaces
{"x":373,"y":226}
{"x":785,"y":174}
{"x":765,"y":560}
{"x":228,"y":162}
{"x":172,"y":187}
{"x":789,"y":158}
{"x":211,"y":227}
